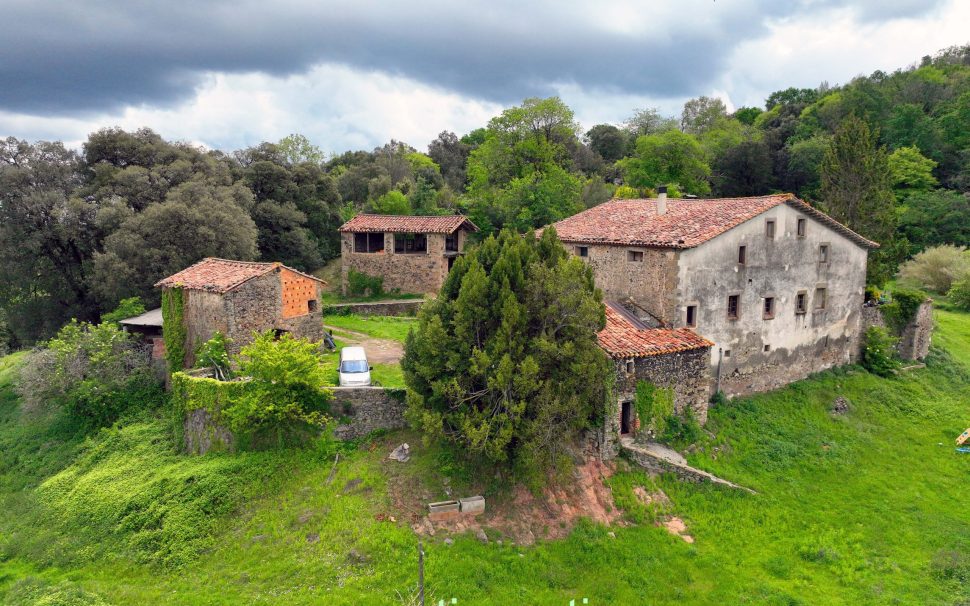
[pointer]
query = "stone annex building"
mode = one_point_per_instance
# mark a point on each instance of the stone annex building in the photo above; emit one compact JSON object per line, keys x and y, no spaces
{"x":241,"y":298}
{"x":413,"y":254}
{"x":774,"y":287}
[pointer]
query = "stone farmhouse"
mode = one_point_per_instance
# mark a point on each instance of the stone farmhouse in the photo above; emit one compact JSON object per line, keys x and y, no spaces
{"x":776,"y":285}
{"x":241,"y":298}
{"x":413,"y":254}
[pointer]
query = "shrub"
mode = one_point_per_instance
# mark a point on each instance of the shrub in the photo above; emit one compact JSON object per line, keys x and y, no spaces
{"x":879,"y":353}
{"x":903,"y":308}
{"x":284,"y":392}
{"x":360,"y":284}
{"x":36,"y":592}
{"x":213,"y":354}
{"x":959,"y":294}
{"x":682,"y":430}
{"x":128,"y":308}
{"x":174,"y":330}
{"x":936,"y":269}
{"x":654,"y":406}
{"x":95,"y":372}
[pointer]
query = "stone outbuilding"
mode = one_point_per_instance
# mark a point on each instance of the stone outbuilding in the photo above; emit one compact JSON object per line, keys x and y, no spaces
{"x":776,"y":284}
{"x":242,"y":298}
{"x":669,"y":358}
{"x":411,"y":253}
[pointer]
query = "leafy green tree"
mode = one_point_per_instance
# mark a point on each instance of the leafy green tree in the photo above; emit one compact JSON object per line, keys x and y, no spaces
{"x":127,"y":308}
{"x":747,"y":115}
{"x":670,"y":157}
{"x":856,"y":191}
{"x":936,"y":269}
{"x":608,"y":141}
{"x":451,"y":155}
{"x":504,"y":362}
{"x":791,"y":96}
{"x":701,"y":114}
{"x":391,"y":203}
{"x":195,"y":221}
{"x":803,"y":176}
{"x":742,"y":170}
{"x":297,"y":149}
{"x":648,"y":122}
{"x":911,"y":171}
{"x":931,"y":218}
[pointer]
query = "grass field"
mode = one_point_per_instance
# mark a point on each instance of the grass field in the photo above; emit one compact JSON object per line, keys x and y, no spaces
{"x":381,"y":327}
{"x":868,"y":507}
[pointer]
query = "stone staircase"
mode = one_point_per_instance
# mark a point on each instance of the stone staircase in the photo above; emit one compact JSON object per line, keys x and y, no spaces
{"x":657,"y":458}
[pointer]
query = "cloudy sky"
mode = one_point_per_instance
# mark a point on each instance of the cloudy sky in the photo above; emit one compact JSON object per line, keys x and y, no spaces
{"x":352,"y":74}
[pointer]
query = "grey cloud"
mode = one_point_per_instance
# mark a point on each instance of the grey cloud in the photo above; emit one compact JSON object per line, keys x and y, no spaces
{"x":100,"y":56}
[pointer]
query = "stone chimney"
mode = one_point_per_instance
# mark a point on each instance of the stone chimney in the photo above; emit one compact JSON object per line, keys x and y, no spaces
{"x":662,"y":200}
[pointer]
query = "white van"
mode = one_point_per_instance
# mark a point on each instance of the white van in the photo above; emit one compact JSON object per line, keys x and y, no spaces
{"x":354,"y":369}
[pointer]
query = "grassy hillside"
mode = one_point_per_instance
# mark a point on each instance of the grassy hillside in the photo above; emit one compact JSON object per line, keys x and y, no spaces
{"x":867,"y":507}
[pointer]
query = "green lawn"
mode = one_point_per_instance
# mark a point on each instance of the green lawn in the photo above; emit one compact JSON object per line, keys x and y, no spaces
{"x":381,"y":327}
{"x":869,"y":507}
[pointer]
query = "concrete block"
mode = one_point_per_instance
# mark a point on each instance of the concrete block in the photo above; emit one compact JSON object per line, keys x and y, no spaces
{"x":473,"y":505}
{"x":443,"y":510}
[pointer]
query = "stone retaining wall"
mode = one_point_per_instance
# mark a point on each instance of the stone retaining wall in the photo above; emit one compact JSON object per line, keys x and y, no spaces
{"x":377,"y":308}
{"x":367,"y":409}
{"x":914,"y":342}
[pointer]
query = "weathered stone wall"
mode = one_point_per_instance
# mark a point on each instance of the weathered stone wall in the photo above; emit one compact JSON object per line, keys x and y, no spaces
{"x":914,"y":342}
{"x":378,"y":308}
{"x":257,"y":306}
{"x":685,"y":372}
{"x":418,"y":273}
{"x":204,"y":314}
{"x":202,"y":434}
{"x":763,"y":353}
{"x":650,"y":283}
{"x":367,"y":409}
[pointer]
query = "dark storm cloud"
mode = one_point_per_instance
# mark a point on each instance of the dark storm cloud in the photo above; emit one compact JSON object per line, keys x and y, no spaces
{"x":74,"y":57}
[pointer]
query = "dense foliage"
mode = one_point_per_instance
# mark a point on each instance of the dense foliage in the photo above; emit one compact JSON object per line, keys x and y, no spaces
{"x":654,"y":407}
{"x":174,"y":330}
{"x":95,"y":372}
{"x":886,"y":153}
{"x":505,"y":363}
{"x":879,"y":351}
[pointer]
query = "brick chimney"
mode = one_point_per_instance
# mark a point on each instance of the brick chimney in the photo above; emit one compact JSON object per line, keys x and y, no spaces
{"x":662,"y":200}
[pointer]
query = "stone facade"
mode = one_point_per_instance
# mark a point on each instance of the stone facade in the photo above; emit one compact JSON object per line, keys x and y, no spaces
{"x":914,"y":342}
{"x":685,"y":372}
{"x":378,"y":308}
{"x":367,"y":409}
{"x":650,"y":283}
{"x":417,"y":273}
{"x":268,"y":302}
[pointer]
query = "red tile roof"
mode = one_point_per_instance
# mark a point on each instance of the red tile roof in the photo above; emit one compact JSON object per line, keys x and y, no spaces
{"x":221,"y":275}
{"x":621,"y":338}
{"x":408,"y":224}
{"x":686,"y":224}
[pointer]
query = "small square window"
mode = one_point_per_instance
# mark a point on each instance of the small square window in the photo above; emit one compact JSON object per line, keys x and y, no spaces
{"x":630,"y":366}
{"x":770,"y":228}
{"x":582,"y":251}
{"x":691,"y":316}
{"x":742,"y":254}
{"x":800,"y":228}
{"x":727,"y":353}
{"x":311,"y":305}
{"x":800,"y":305}
{"x":820,"y":296}
{"x":634,"y":255}
{"x":769,"y":308}
{"x":734,"y":302}
{"x":767,"y":347}
{"x":823,"y":253}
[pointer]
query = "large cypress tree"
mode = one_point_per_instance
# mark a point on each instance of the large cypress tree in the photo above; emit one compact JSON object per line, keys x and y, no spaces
{"x":857,"y":191}
{"x":505,"y":362}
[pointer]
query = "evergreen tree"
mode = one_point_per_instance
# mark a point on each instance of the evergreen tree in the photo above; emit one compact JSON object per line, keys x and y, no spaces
{"x":856,"y":190}
{"x":505,"y":362}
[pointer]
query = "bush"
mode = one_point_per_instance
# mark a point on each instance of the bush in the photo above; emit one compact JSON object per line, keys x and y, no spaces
{"x":879,"y":353}
{"x":213,"y":354}
{"x":959,"y":294}
{"x":128,"y":308}
{"x":360,"y":284}
{"x":682,"y":430}
{"x":284,"y":391}
{"x":936,"y":269}
{"x":95,"y":372}
{"x":36,"y":592}
{"x":903,"y":308}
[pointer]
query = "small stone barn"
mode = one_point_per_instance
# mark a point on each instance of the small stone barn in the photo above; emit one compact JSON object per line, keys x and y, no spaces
{"x":413,"y":254}
{"x":668,"y":358}
{"x":241,"y":298}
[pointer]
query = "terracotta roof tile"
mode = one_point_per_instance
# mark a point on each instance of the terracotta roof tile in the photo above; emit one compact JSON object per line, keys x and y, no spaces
{"x":686,"y":224}
{"x":621,"y":338}
{"x":407,"y":224}
{"x":221,"y":275}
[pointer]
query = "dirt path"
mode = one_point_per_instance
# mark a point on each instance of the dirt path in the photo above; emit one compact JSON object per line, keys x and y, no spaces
{"x":379,"y":351}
